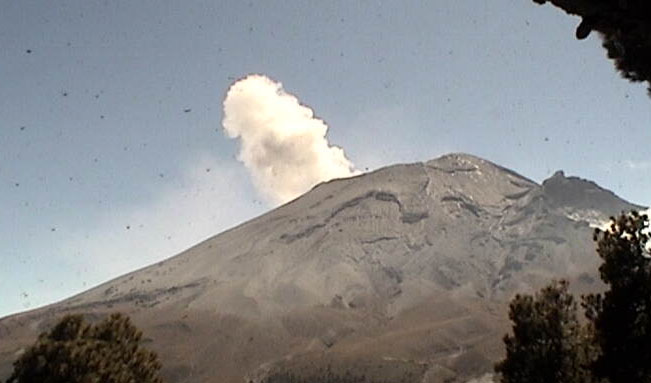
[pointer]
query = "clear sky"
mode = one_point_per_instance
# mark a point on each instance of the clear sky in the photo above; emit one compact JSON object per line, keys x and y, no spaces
{"x":113,"y":154}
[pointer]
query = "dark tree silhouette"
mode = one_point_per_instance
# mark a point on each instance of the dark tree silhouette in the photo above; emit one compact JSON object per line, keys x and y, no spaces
{"x":625,"y":28}
{"x":621,"y":317}
{"x":75,"y":351}
{"x":548,"y":343}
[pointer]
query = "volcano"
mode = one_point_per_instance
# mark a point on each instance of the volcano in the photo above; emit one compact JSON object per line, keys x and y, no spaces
{"x":401,"y":274}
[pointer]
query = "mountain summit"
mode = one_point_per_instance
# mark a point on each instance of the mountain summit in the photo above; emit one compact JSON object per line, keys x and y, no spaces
{"x":402,"y":273}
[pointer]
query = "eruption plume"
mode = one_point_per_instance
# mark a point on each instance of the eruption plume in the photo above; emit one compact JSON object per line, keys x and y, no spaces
{"x":283,"y":145}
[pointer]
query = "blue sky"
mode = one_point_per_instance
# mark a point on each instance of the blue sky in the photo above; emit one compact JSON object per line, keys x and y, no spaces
{"x":111,"y":146}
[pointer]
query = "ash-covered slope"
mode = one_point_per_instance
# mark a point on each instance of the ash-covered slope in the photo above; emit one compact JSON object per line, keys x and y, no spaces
{"x":405,"y":269}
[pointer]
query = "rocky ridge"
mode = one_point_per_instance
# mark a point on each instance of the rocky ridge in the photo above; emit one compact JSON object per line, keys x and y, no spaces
{"x":405,"y":269}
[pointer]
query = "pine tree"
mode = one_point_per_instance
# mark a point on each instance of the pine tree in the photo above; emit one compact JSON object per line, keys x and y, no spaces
{"x":548,"y":343}
{"x":621,"y":317}
{"x":75,"y":351}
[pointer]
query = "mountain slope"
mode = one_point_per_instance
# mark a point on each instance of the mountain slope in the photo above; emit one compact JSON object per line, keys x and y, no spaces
{"x":406,"y":269}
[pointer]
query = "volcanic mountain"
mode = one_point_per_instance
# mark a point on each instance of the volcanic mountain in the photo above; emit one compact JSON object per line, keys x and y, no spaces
{"x":401,"y":274}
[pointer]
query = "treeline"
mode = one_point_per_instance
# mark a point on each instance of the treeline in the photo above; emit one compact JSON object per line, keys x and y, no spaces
{"x":549,"y":343}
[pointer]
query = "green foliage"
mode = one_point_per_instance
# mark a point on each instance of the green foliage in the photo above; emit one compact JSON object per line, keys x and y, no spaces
{"x":548,"y":343}
{"x":621,"y":317}
{"x":75,"y":351}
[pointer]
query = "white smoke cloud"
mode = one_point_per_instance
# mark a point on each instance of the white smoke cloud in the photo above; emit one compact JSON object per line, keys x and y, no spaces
{"x":283,"y":145}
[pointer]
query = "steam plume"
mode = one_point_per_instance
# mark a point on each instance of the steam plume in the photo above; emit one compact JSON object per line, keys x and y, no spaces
{"x":283,"y":144}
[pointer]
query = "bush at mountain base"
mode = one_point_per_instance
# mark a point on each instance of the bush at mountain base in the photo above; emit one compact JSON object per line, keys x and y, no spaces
{"x":75,"y":351}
